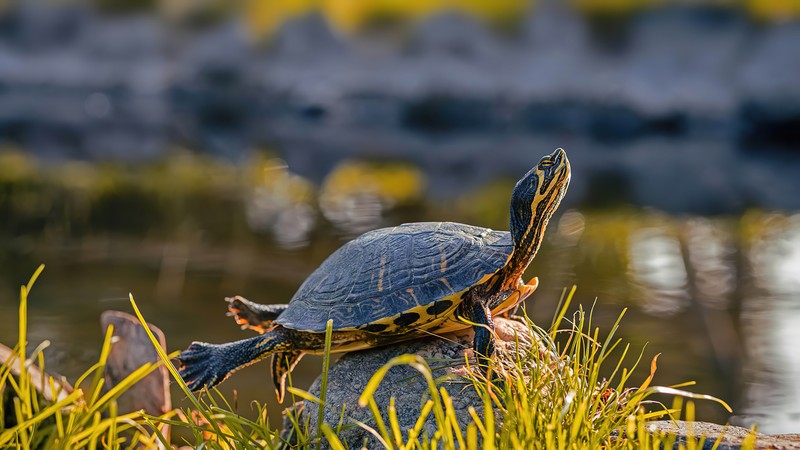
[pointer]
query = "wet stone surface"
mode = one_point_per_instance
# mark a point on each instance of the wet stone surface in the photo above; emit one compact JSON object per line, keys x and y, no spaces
{"x":729,"y":437}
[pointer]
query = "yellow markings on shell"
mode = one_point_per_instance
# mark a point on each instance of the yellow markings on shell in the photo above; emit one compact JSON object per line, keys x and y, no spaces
{"x":380,"y":274}
{"x":444,"y":281}
{"x":453,"y":323}
{"x":413,"y":295}
{"x":445,"y":322}
{"x":426,"y":321}
{"x":443,"y":265}
{"x":483,"y":279}
{"x":344,"y":343}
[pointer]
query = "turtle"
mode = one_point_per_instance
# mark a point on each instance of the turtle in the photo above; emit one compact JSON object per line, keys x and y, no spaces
{"x":395,"y":284}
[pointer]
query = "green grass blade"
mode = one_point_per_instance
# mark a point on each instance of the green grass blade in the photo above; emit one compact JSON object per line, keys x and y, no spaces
{"x":8,"y":434}
{"x":333,"y":440}
{"x":304,"y":395}
{"x":326,"y":361}
{"x":687,"y":394}
{"x":173,"y":370}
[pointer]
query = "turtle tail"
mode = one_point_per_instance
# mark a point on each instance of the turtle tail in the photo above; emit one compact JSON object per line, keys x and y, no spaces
{"x":207,"y":365}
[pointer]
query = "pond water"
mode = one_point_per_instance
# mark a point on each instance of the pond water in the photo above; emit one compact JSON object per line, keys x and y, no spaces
{"x":717,"y":296}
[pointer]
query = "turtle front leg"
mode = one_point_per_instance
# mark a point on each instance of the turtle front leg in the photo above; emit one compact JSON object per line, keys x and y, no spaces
{"x":480,"y":315}
{"x":253,"y":315}
{"x":206,"y":365}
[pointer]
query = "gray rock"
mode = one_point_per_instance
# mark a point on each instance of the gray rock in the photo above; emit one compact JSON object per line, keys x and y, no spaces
{"x":682,"y":61}
{"x":130,"y":350}
{"x":35,"y":26}
{"x":39,"y":379}
{"x":79,"y":84}
{"x":769,"y":85}
{"x":454,"y":35}
{"x":769,"y":71}
{"x":730,"y":437}
{"x":134,"y":39}
{"x":554,"y":62}
{"x":554,"y":27}
{"x":215,"y":92}
{"x":307,"y":38}
{"x":348,"y":378}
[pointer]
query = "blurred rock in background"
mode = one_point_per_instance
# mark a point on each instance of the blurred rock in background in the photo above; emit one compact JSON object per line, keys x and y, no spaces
{"x":88,"y":83}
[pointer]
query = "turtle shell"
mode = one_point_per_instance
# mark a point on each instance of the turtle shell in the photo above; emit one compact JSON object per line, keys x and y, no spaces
{"x":389,"y":278}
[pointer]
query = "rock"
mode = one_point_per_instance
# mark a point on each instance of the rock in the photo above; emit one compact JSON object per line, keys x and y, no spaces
{"x":554,"y":62}
{"x":34,"y":27}
{"x":731,"y":437}
{"x":37,"y":376}
{"x":769,"y":85}
{"x":288,"y":435}
{"x":215,"y":91}
{"x":130,"y":350}
{"x":45,"y":397}
{"x":348,"y":378}
{"x":307,"y":38}
{"x":553,"y":26}
{"x":454,"y":35}
{"x":681,"y":62}
{"x":132,"y":39}
{"x":76,"y":84}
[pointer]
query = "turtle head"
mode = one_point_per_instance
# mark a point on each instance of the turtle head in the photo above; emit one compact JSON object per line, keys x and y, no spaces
{"x":536,"y":197}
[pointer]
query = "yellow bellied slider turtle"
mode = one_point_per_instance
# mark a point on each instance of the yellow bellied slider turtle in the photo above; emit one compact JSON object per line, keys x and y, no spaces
{"x":395,"y":284}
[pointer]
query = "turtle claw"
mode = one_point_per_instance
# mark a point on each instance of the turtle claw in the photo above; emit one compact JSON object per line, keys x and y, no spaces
{"x":242,"y":312}
{"x":246,"y":313}
{"x":238,"y":320}
{"x":197,"y":366}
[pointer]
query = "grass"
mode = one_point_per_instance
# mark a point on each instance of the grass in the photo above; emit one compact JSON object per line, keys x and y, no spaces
{"x":573,"y":391}
{"x":85,"y":416}
{"x":353,"y":15}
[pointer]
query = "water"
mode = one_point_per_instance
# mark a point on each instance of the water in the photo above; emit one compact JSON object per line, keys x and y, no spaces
{"x":716,"y":296}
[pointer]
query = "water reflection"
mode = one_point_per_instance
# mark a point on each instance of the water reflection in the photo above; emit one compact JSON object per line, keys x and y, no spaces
{"x":771,"y":324}
{"x":709,"y":257}
{"x":775,"y":255}
{"x":710,"y":253}
{"x":280,"y":203}
{"x":718,"y":296}
{"x":355,"y":195}
{"x":657,"y":268}
{"x":571,"y":227}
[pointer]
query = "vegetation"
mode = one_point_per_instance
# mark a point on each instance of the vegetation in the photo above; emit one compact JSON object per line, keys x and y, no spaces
{"x":85,"y":416}
{"x":353,"y":15}
{"x":172,"y":198}
{"x":575,"y":395}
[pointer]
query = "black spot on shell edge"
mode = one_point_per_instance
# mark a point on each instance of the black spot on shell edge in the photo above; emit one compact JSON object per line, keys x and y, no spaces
{"x":406,"y":319}
{"x":375,"y":327}
{"x":439,"y":307}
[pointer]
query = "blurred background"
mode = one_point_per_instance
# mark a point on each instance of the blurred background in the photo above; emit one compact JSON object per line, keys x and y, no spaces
{"x":190,"y":150}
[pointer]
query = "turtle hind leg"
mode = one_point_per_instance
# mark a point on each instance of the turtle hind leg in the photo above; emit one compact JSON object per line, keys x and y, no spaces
{"x":282,"y":364}
{"x":206,"y":365}
{"x":253,"y":315}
